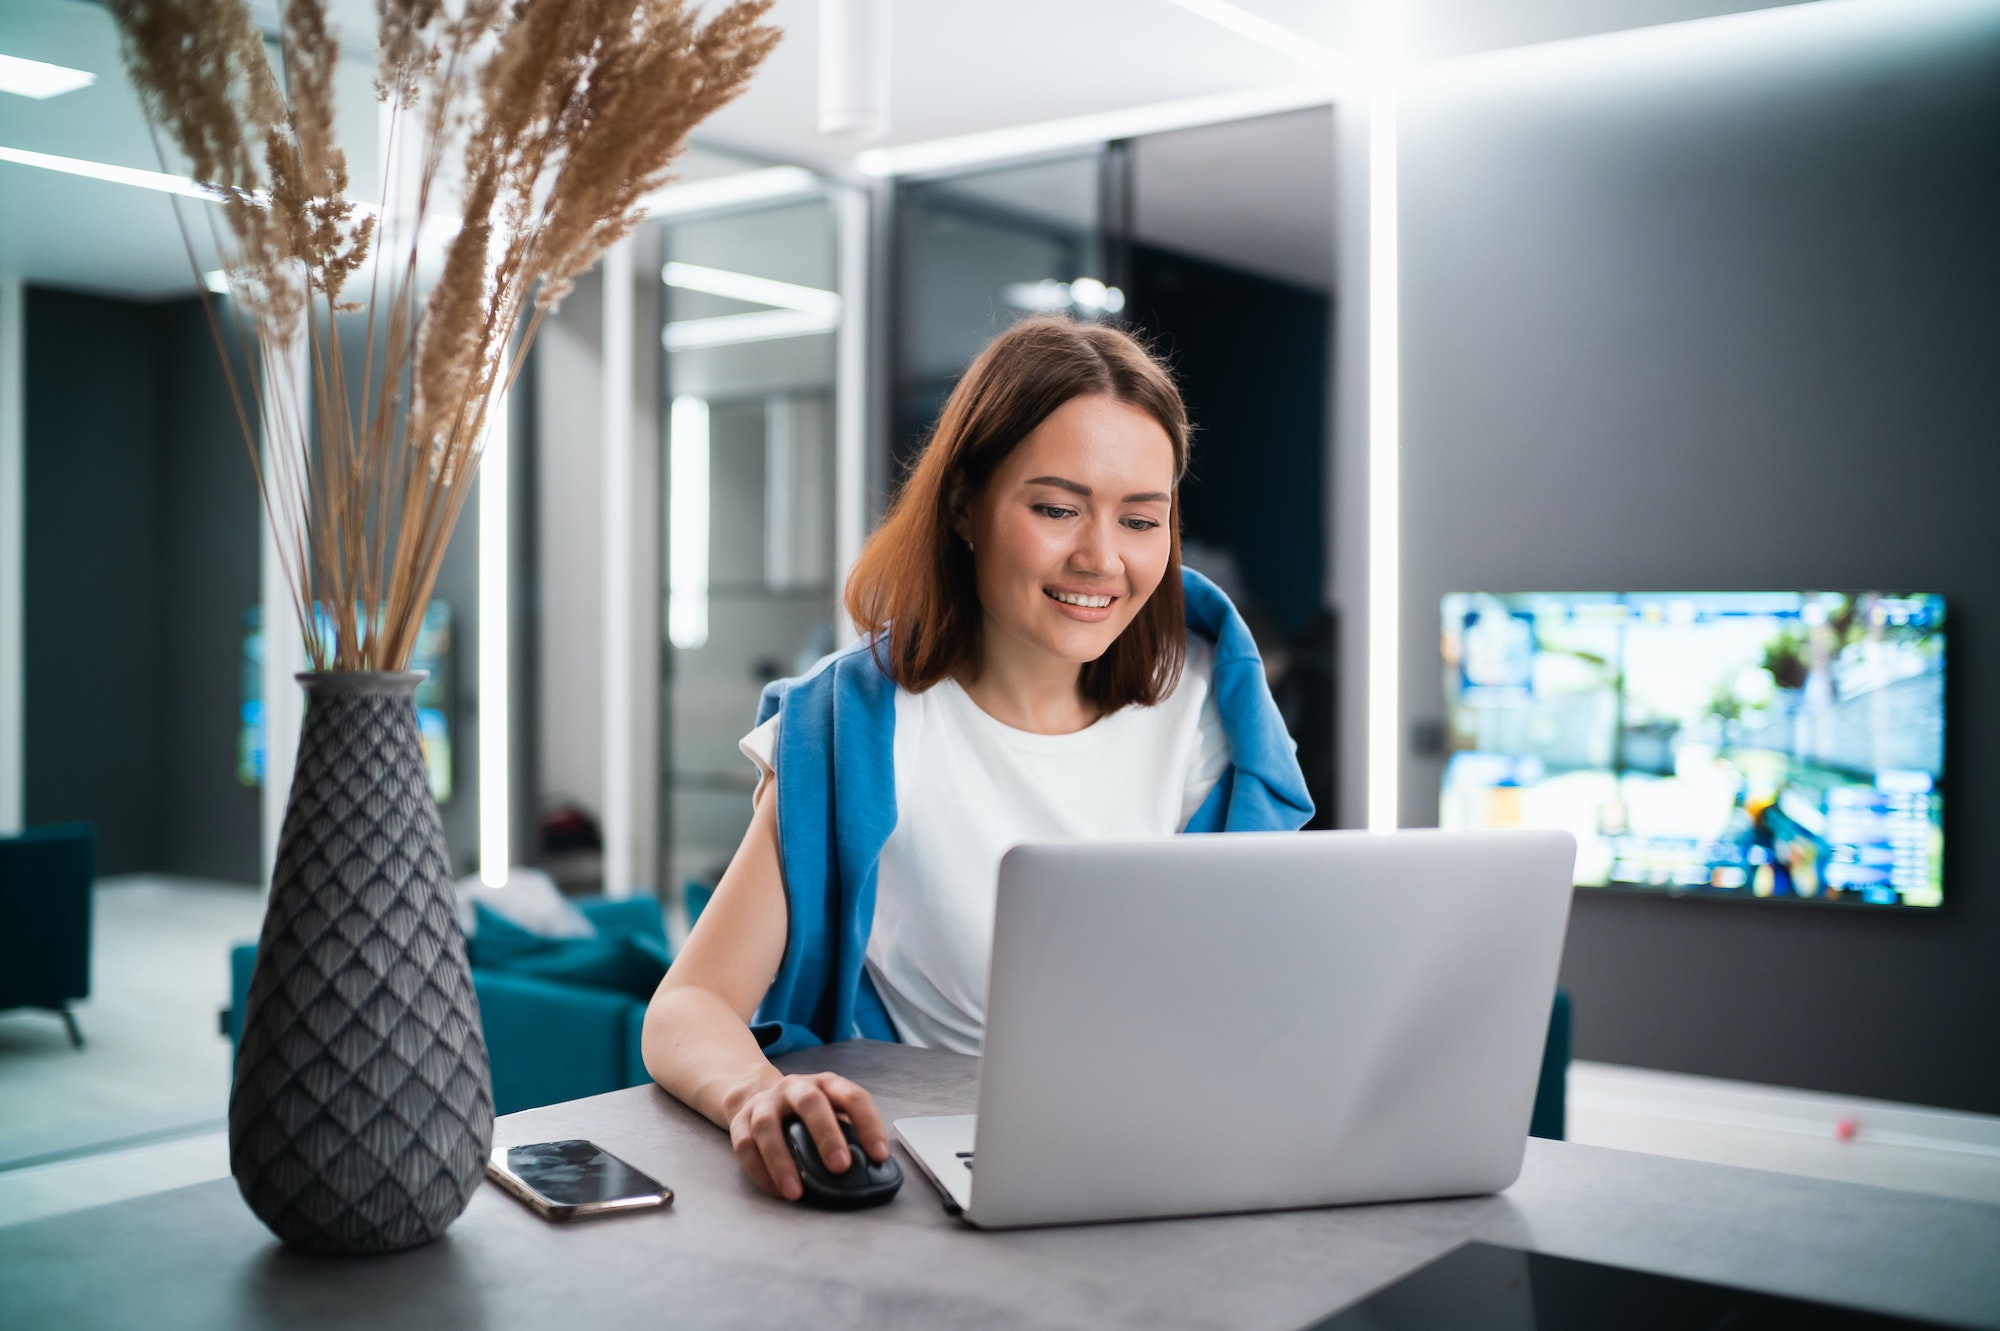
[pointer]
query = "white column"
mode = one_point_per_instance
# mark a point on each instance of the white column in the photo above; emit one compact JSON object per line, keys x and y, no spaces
{"x":850,"y":398}
{"x":781,"y":506}
{"x":495,"y":694}
{"x":13,"y":557}
{"x":1384,"y":468}
{"x":282,"y":416}
{"x":618,"y":557}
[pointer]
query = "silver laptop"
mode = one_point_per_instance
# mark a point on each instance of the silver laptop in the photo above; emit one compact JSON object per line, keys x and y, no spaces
{"x":1204,"y":1024}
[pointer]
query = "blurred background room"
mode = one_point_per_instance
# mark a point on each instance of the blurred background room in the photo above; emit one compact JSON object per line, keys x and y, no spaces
{"x":1472,"y":302}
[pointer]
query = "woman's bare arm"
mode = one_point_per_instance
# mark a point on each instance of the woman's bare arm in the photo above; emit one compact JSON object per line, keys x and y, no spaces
{"x":697,"y":1042}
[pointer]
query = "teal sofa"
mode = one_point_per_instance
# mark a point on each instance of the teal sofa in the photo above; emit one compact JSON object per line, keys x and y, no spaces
{"x":548,"y":1040}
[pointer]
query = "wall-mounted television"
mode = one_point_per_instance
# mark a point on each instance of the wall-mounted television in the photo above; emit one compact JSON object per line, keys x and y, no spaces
{"x":432,"y":655}
{"x":1757,"y":745}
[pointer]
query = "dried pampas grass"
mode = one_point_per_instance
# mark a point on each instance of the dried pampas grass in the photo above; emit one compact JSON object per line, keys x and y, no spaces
{"x":550,"y":120}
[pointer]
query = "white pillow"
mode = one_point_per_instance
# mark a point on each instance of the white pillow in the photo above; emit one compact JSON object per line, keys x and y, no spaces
{"x":529,"y":898}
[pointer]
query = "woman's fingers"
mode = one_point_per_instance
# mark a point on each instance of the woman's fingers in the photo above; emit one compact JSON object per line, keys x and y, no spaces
{"x":767,"y":1127}
{"x":744,"y":1143}
{"x":757,"y":1134}
{"x":809,"y":1104}
{"x":859,"y":1106}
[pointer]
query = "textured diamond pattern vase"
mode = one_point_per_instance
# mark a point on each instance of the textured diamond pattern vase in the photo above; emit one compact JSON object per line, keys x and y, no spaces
{"x":362,"y":1110}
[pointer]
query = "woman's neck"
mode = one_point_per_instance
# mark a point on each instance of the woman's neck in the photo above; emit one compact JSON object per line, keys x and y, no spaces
{"x":1022,"y":686}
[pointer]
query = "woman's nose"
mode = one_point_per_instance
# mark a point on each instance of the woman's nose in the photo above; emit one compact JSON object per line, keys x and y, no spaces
{"x":1096,"y":551}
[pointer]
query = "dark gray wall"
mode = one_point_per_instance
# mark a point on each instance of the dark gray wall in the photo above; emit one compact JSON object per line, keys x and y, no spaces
{"x":208,"y":578}
{"x":1710,"y":309}
{"x":91,"y":623}
{"x":141,"y":560}
{"x":1250,"y":355}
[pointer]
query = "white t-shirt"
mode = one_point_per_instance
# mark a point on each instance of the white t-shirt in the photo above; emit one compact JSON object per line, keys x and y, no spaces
{"x":969,"y":789}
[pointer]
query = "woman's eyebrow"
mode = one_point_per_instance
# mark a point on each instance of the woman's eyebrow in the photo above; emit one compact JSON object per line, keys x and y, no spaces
{"x":1147,"y":497}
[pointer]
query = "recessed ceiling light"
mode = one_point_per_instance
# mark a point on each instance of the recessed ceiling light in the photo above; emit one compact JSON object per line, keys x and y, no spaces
{"x":34,"y":78}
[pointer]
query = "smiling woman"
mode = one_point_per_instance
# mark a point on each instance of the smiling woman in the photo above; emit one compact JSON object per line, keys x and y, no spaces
{"x":1053,"y":421}
{"x":1034,"y":665}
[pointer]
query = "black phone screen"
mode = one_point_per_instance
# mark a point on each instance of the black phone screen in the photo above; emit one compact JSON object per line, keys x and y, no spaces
{"x":578,"y":1173}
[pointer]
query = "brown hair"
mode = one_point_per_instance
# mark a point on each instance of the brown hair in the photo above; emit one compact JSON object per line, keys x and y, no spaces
{"x":913,"y":586}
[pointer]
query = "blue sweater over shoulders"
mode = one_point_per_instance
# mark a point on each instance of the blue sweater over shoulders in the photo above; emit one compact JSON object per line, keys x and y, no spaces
{"x":837,"y":806}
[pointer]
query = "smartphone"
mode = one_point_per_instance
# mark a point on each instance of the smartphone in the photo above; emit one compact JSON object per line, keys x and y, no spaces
{"x":568,"y":1179}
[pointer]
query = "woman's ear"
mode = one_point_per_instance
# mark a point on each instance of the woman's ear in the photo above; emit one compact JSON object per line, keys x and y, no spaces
{"x":958,"y":503}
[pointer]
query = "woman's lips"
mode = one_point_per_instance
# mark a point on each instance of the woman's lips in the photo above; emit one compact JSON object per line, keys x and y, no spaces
{"x":1088,"y":614}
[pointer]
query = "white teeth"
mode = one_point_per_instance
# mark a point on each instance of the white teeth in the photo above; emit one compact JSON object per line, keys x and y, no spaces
{"x":1088,"y":602}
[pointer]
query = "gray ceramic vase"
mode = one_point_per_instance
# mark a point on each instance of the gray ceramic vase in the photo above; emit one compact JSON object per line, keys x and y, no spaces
{"x":362,"y":1110}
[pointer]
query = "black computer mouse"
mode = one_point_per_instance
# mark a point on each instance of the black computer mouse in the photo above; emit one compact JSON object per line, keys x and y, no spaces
{"x":864,"y":1184}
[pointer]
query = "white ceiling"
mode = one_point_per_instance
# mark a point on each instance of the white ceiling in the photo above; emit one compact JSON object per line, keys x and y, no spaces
{"x":957,"y":68}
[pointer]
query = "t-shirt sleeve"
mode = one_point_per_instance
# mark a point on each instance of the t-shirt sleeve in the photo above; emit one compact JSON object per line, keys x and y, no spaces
{"x":1211,"y":757}
{"x":760,"y":746}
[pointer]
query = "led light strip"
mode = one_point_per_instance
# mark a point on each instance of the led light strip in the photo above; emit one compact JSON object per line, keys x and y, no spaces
{"x":616,"y":500}
{"x":1384,"y":464}
{"x":687,"y":522}
{"x":116,"y":175}
{"x":1384,"y":725}
{"x":748,"y":287}
{"x":728,"y":330}
{"x":1051,"y":136}
{"x":495,"y":795}
{"x":772,"y":184}
{"x":13,"y":583}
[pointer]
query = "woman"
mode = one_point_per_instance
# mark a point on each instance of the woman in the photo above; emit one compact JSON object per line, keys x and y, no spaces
{"x":1034,"y":664}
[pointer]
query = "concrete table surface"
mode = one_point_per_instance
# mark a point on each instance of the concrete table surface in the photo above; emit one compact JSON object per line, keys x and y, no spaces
{"x":725,"y":1256}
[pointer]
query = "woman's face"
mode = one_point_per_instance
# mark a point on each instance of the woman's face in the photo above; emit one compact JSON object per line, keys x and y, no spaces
{"x":1070,"y":535}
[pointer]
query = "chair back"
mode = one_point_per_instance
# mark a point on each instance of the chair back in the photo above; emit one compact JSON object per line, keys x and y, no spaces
{"x":45,"y":880}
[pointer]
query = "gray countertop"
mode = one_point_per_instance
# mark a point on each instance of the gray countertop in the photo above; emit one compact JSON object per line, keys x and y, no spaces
{"x":724,"y":1255}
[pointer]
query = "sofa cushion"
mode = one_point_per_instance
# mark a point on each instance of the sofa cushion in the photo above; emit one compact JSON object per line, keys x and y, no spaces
{"x":529,"y":898}
{"x":630,"y":964}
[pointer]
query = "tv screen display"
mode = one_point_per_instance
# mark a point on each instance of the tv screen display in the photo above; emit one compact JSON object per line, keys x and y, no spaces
{"x":432,"y":655}
{"x":1733,"y":744}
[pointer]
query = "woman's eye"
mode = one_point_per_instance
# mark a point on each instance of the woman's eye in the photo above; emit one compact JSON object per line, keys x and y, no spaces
{"x":1141,"y":524}
{"x":1054,"y":511}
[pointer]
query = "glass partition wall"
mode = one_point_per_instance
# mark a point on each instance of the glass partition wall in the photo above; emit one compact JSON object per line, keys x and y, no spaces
{"x":757,"y":383}
{"x":752,"y":320}
{"x":977,"y":250}
{"x":1119,"y":234}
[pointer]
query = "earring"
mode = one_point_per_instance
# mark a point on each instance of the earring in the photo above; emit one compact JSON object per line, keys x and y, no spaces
{"x":969,"y":547}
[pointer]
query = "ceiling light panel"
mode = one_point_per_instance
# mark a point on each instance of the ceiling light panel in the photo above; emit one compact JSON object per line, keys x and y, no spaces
{"x":40,"y":80}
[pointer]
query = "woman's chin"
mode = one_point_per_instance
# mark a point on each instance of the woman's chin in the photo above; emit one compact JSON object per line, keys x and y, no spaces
{"x":1080,"y":644}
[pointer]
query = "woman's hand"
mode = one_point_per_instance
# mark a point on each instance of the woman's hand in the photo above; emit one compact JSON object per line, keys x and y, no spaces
{"x":819,"y":1100}
{"x":697,"y":1039}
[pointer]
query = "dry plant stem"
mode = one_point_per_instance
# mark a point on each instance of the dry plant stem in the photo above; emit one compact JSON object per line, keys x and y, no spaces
{"x":555,"y":117}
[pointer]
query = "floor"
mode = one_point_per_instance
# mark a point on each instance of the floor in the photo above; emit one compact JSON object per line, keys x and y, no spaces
{"x":1846,"y":1138}
{"x":143,"y":1107}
